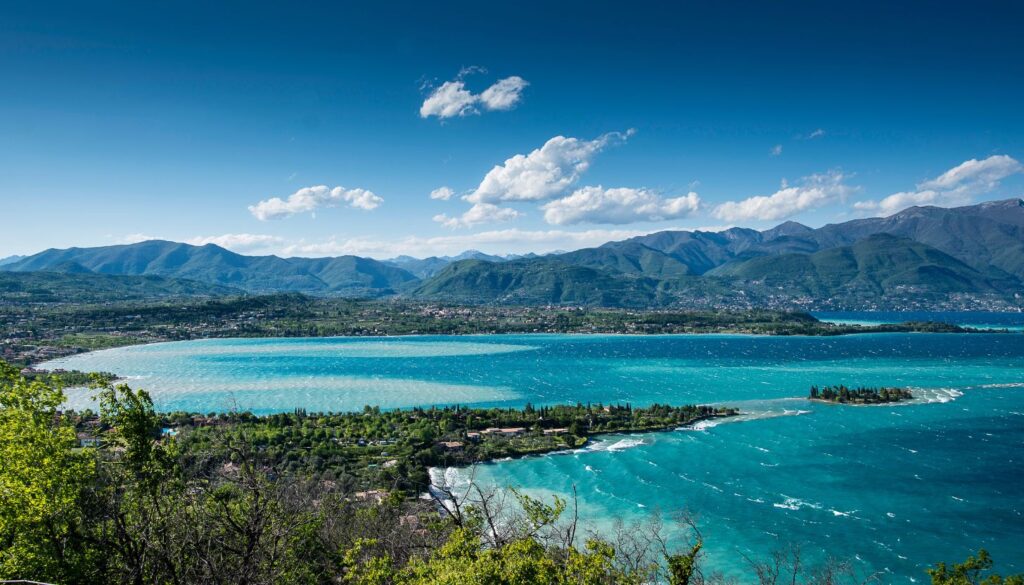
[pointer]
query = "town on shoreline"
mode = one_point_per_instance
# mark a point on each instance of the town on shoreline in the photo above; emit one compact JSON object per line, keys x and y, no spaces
{"x":31,"y":334}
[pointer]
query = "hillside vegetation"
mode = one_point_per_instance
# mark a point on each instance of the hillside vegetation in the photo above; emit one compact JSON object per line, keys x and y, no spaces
{"x":137,"y":506}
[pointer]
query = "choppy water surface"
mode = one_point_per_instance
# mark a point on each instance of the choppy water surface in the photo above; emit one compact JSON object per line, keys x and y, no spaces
{"x":894,"y":488}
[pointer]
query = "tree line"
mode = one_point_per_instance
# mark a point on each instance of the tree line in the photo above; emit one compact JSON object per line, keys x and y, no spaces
{"x":144,"y":508}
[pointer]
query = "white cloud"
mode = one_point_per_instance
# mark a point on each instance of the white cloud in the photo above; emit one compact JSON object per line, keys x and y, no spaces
{"x":311,"y":198}
{"x":135,"y":238}
{"x":452,"y":99}
{"x":975,"y":175}
{"x":814,"y":191}
{"x":544,"y":173}
{"x":617,"y":206}
{"x":957,"y":186}
{"x":477,"y":214}
{"x":818,"y":133}
{"x":776,"y":150}
{"x":505,"y":94}
{"x":442,"y":193}
{"x":241,"y":243}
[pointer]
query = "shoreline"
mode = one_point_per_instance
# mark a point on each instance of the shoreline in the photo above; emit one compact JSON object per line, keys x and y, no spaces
{"x":587,"y":440}
{"x":835,"y":403}
{"x":914,"y":400}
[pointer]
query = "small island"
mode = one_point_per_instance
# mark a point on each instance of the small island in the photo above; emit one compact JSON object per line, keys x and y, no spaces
{"x":843,"y":395}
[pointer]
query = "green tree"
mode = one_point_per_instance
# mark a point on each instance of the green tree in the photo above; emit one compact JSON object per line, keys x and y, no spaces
{"x":43,"y":475}
{"x":970,"y":572}
{"x":138,"y":491}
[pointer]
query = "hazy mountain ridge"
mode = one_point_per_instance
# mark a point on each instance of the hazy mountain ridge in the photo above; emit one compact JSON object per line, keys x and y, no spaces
{"x":925,"y":251}
{"x":343,"y":275}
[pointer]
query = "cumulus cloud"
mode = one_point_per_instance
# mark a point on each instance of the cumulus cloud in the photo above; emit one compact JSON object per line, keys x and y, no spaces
{"x":544,"y":173}
{"x":812,"y":192}
{"x":135,"y":238}
{"x":442,"y":193}
{"x":505,"y":94}
{"x":309,"y":199}
{"x":477,"y":214}
{"x":451,"y":99}
{"x":957,"y":186}
{"x":818,"y":133}
{"x":241,"y":243}
{"x":975,"y":175}
{"x":617,"y":206}
{"x":776,"y":150}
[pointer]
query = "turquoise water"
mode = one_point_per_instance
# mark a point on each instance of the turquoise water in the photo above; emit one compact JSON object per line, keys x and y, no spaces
{"x":895,"y":488}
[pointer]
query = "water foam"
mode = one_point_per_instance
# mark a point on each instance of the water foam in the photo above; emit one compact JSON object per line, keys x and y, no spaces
{"x":932,"y":396}
{"x":620,"y":445}
{"x":795,"y":504}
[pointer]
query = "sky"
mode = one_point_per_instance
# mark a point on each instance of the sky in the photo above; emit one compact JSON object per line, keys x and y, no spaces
{"x":382,"y":129}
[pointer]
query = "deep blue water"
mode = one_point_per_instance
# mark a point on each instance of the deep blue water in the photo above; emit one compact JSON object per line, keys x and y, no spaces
{"x":895,"y":488}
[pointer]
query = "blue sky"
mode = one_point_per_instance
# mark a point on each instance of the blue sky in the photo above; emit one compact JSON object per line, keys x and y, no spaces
{"x":184,"y":121}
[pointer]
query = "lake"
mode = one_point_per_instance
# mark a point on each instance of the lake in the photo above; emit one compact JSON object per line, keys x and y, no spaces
{"x":894,"y":488}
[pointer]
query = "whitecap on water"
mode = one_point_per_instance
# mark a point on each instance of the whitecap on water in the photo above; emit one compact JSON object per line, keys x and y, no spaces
{"x":619,"y":445}
{"x":795,"y":504}
{"x":932,"y":396}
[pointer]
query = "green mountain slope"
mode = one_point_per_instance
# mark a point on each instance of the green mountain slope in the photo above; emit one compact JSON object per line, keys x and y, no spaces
{"x":881,"y":264}
{"x":983,"y":235}
{"x":47,"y":287}
{"x":536,"y":282}
{"x":629,"y":258}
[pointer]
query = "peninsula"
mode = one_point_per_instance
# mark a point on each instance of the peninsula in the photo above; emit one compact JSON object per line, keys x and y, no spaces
{"x":393,"y":449}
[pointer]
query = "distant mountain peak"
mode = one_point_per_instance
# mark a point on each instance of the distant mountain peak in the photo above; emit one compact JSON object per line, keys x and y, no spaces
{"x":10,"y":259}
{"x":1013,"y":202}
{"x":789,"y":228}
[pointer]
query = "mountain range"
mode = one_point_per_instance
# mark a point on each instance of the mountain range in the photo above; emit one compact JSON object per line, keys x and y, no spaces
{"x":343,"y":275}
{"x":919,"y":257}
